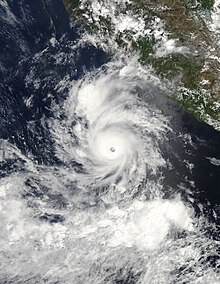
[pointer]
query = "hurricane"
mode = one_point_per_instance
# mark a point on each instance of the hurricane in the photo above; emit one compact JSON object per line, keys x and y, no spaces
{"x":105,"y":178}
{"x":116,"y":136}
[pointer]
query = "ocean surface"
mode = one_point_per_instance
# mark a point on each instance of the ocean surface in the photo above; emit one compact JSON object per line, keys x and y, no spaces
{"x":103,"y":178}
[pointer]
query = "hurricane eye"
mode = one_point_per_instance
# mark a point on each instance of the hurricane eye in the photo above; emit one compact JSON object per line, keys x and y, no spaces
{"x":112,"y":149}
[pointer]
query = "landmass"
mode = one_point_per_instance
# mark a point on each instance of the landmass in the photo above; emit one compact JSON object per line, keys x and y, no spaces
{"x":179,"y":39}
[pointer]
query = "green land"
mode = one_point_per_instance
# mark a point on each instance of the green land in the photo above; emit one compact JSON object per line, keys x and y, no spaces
{"x":196,"y":73}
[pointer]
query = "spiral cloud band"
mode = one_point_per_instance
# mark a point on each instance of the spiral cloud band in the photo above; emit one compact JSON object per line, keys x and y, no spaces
{"x":116,"y":134}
